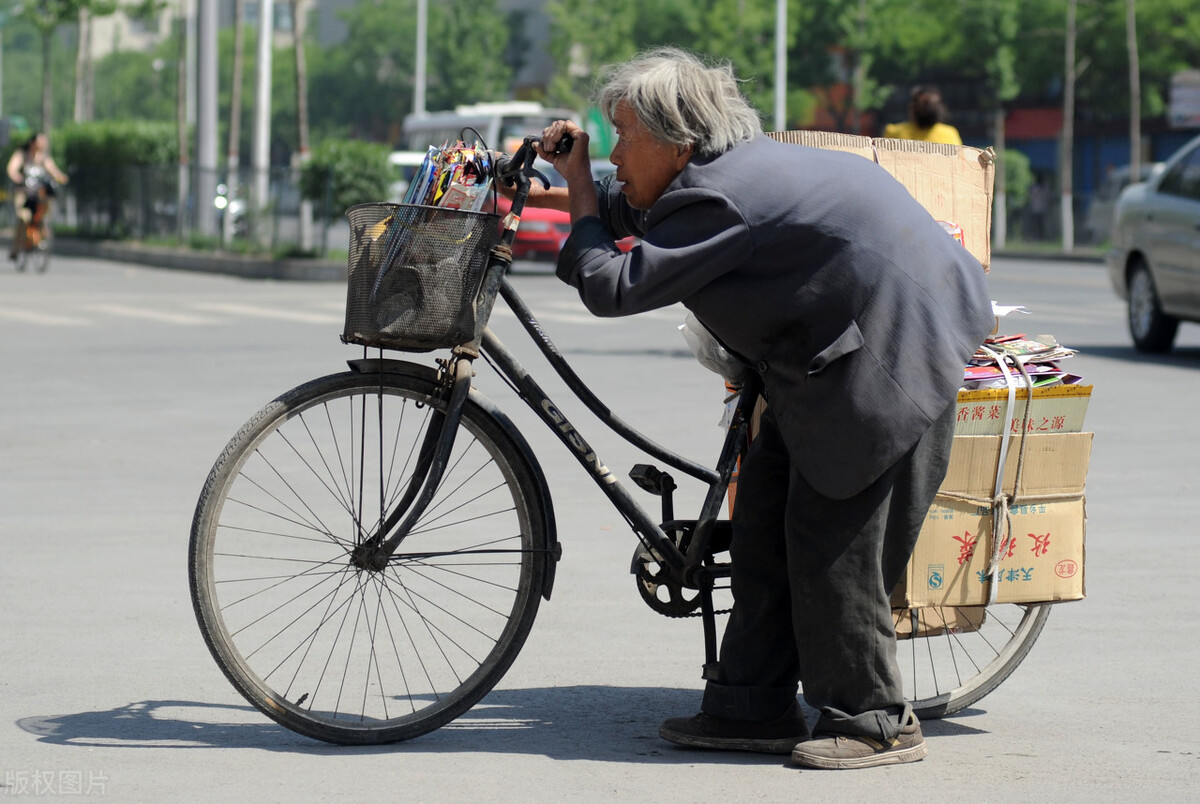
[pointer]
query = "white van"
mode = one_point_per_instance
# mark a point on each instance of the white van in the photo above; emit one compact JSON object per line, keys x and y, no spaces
{"x":501,"y":126}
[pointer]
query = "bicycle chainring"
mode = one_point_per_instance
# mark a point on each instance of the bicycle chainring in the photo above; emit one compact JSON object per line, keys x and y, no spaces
{"x":661,"y":592}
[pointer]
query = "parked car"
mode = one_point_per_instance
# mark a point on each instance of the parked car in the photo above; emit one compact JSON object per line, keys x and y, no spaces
{"x":1099,"y":219}
{"x":1154,"y":262}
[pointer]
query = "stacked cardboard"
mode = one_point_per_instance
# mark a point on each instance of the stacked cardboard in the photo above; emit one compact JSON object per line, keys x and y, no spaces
{"x":1012,"y":535}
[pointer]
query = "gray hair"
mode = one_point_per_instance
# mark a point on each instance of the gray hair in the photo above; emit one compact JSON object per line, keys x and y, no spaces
{"x":681,"y":101}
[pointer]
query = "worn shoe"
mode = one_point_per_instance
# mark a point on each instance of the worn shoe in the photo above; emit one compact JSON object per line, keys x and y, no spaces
{"x":776,"y":736}
{"x":839,"y":752}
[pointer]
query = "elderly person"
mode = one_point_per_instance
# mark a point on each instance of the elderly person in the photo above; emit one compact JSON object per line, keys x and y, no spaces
{"x":823,"y":275}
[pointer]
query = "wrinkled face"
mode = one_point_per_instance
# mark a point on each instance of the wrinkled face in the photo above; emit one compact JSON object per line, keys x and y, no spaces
{"x":645,"y":166}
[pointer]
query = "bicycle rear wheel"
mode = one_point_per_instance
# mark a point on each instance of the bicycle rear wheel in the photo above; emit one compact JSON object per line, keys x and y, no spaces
{"x":346,"y":654}
{"x":964,"y":654}
{"x":39,"y":256}
{"x":33,"y":251}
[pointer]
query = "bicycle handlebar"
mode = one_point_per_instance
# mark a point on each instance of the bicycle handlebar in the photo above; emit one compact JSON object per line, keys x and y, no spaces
{"x":519,"y":167}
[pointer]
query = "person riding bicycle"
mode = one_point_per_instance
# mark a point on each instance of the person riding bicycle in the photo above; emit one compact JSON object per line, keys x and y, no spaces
{"x":823,"y":275}
{"x":33,"y":172}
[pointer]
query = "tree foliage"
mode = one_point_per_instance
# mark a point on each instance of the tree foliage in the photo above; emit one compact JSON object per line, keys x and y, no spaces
{"x":345,"y":172}
{"x":849,"y":57}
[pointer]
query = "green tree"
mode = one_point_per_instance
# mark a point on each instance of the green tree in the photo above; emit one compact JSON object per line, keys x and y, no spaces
{"x":47,"y":16}
{"x":345,"y":173}
{"x":363,"y":86}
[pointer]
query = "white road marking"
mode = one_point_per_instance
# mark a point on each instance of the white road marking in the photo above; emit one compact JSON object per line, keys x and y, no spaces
{"x":254,"y":311}
{"x":164,"y":316}
{"x":43,"y":319}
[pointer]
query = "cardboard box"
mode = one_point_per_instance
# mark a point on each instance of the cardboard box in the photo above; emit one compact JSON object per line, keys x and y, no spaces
{"x":1041,"y":561}
{"x":952,"y":182}
{"x":1055,"y":409}
{"x":935,"y":621}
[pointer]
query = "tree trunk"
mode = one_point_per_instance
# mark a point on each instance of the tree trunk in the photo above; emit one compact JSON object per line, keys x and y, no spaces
{"x":47,"y":81}
{"x":1135,"y":94}
{"x":233,"y":157}
{"x":1067,"y":146}
{"x":82,"y":57}
{"x":1000,"y":207}
{"x":302,"y":153}
{"x":860,"y":70}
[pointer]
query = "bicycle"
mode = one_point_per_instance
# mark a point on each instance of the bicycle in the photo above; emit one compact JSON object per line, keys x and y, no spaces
{"x":34,"y":236}
{"x":370,"y":550}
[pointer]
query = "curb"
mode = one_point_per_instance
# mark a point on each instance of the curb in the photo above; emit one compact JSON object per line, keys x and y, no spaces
{"x":189,"y":260}
{"x":1078,"y":255}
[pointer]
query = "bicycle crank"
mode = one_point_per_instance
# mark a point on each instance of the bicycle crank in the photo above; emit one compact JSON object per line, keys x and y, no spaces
{"x":664,"y":594}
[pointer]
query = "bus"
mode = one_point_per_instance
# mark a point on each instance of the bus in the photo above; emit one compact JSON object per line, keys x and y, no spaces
{"x":501,"y":126}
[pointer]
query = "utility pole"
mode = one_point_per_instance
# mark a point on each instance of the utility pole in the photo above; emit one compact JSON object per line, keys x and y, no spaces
{"x":1066,"y":152}
{"x":262,"y":106}
{"x":419,"y":77}
{"x":206,"y":116}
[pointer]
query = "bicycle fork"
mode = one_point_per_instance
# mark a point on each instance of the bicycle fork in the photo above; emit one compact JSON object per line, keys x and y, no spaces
{"x":377,"y":549}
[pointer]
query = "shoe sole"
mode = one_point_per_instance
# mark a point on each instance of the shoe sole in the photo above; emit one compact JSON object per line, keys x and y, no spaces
{"x":912,"y":754}
{"x":778,"y":745}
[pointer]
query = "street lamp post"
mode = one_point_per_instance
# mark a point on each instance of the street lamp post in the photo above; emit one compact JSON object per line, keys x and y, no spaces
{"x":419,"y":72}
{"x":206,"y":116}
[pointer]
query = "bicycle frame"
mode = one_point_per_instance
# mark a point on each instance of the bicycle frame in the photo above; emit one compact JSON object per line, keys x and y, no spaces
{"x":690,"y":563}
{"x":689,"y":567}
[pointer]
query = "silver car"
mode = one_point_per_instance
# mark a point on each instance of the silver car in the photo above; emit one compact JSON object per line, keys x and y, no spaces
{"x":1154,"y":262}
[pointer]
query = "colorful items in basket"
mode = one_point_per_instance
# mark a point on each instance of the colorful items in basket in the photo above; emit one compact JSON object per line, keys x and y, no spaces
{"x":454,"y":176}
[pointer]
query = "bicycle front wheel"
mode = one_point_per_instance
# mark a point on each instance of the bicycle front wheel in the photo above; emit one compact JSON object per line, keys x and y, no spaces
{"x":339,"y":652}
{"x":959,"y":655}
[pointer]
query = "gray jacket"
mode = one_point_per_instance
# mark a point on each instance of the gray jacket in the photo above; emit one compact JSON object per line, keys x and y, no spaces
{"x":820,"y":271}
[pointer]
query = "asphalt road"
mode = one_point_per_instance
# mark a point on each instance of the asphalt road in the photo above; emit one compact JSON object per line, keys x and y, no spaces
{"x":122,"y":384}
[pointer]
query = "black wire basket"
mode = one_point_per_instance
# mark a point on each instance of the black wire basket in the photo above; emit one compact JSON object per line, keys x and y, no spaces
{"x":416,"y":275}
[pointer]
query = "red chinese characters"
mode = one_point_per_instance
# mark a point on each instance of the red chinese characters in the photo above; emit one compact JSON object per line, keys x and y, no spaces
{"x":1041,"y":543}
{"x":966,"y":548}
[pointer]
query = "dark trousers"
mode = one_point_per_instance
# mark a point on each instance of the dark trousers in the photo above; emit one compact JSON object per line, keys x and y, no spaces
{"x":812,"y":577}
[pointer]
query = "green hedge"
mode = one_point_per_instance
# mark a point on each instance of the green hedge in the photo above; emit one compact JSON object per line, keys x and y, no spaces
{"x":99,"y":156}
{"x":118,"y":143}
{"x":346,"y":172}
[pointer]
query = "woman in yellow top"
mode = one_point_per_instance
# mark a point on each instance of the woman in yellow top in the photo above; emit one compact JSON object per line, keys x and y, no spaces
{"x":926,"y":113}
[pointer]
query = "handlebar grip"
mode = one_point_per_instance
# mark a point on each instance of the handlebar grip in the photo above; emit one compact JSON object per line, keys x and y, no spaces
{"x":565,"y":143}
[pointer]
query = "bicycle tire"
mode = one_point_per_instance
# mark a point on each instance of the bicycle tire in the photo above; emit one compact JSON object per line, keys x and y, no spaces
{"x":39,"y":256}
{"x":347,"y":655}
{"x":955,"y":665}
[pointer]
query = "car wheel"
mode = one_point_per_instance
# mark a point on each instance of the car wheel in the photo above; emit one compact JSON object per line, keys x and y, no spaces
{"x":1151,"y":328}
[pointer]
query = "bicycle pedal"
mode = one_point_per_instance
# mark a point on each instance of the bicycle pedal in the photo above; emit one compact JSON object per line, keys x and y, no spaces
{"x":652,"y":479}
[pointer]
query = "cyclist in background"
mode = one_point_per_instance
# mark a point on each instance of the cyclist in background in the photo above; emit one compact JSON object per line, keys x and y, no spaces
{"x":31,"y":170}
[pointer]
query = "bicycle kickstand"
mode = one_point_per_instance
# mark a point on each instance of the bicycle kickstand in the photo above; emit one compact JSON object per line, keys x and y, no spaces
{"x":708,"y":615}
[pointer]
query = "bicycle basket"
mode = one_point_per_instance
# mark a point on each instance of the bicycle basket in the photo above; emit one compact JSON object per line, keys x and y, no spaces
{"x":415,"y":275}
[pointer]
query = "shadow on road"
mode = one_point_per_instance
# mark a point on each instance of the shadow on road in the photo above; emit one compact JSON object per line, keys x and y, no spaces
{"x":1182,"y":357}
{"x":615,"y":724}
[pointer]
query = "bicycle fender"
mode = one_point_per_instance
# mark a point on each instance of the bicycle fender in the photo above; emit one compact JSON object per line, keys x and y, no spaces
{"x":543,"y":502}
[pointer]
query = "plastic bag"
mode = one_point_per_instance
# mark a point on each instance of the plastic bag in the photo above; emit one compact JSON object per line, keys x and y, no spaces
{"x":709,"y":351}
